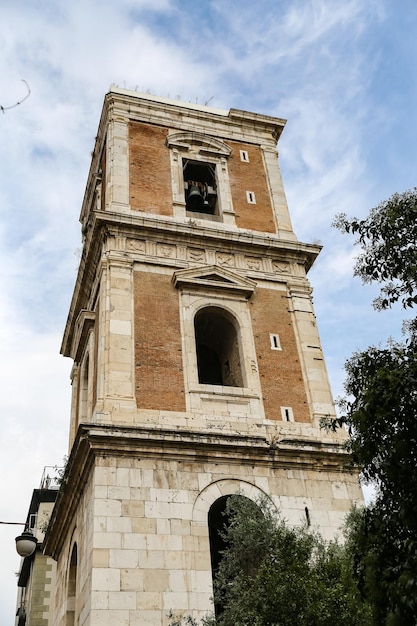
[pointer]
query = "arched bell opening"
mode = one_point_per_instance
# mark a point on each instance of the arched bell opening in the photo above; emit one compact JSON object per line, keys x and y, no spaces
{"x":217,"y":347}
{"x":200,"y":187}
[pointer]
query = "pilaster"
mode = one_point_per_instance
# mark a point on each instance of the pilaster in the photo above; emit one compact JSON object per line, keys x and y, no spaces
{"x":117,"y":174}
{"x":115,"y":389}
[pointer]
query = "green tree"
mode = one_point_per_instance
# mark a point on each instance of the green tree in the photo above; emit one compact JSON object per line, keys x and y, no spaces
{"x":380,"y":412}
{"x":387,"y":238}
{"x":274,"y":575}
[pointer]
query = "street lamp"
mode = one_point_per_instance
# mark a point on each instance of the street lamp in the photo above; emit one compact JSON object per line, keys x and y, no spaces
{"x":26,"y":542}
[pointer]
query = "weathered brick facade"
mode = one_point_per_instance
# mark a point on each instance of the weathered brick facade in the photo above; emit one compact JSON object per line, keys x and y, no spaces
{"x":159,"y":378}
{"x":280,"y":370}
{"x":150,"y":188}
{"x":250,"y":176}
{"x":198,"y":369}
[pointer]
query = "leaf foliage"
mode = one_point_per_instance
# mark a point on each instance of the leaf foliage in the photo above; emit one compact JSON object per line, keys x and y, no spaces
{"x":275,"y":575}
{"x":380,"y":412}
{"x":387,"y":238}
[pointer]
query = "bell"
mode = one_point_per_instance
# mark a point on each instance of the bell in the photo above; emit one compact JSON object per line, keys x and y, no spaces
{"x":195,"y":200}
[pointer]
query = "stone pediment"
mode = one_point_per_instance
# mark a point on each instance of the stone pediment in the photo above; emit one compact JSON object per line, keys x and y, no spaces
{"x":199,"y":142}
{"x":214,"y":278}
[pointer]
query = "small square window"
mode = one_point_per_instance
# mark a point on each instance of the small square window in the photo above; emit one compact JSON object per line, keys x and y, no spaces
{"x":287,"y":414}
{"x":275,"y":342}
{"x":250,"y":197}
{"x":244,"y":156}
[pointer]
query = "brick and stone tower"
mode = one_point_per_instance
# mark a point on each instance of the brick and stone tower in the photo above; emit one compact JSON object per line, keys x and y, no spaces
{"x":198,"y":370}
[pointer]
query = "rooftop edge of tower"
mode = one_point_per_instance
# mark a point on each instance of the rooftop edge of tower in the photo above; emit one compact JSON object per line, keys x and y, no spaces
{"x":240,"y":116}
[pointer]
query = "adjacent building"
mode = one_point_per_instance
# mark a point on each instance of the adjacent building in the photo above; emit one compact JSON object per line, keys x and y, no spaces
{"x":36,"y":577}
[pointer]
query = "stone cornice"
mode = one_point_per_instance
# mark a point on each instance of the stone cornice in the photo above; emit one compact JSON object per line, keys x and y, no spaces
{"x":199,"y":232}
{"x":101,"y":440}
{"x":136,"y":105}
{"x":257,"y":119}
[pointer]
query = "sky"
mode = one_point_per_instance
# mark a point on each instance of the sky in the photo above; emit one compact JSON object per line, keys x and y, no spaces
{"x":344,"y":75}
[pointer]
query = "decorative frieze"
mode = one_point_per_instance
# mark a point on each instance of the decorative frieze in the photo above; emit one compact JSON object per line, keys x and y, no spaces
{"x":267,"y":267}
{"x":136,"y":245}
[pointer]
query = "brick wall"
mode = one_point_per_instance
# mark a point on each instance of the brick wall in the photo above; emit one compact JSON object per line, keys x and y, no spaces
{"x":149,"y":169}
{"x":250,"y":176}
{"x":159,"y":378}
{"x":279,"y":370}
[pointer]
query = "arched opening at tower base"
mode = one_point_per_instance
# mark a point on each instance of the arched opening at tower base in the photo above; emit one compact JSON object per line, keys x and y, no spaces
{"x":219,"y":518}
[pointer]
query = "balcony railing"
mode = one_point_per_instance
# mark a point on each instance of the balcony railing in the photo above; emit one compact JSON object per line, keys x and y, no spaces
{"x":51,"y":477}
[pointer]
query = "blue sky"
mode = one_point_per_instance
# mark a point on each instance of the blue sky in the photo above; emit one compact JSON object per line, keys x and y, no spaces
{"x":344,"y":75}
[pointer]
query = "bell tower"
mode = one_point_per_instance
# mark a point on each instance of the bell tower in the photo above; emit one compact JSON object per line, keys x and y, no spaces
{"x":198,"y":370}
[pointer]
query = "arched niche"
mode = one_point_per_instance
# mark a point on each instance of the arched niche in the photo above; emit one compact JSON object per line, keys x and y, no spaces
{"x":217,"y":347}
